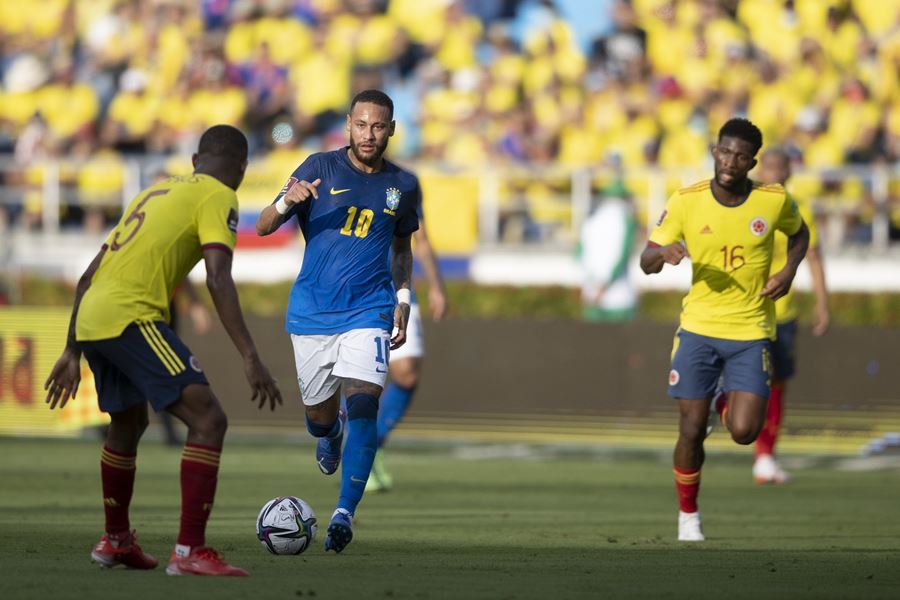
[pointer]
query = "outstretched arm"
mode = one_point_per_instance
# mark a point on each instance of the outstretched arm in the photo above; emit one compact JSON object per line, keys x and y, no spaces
{"x":437,"y":294}
{"x":401,"y":273}
{"x":225,"y":297}
{"x":62,"y":383}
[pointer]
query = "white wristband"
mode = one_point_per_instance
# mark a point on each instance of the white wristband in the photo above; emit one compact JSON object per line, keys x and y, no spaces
{"x":282,"y":207}
{"x":404,"y":296}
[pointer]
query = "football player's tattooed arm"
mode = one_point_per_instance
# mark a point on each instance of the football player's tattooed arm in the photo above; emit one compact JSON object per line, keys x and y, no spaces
{"x":62,"y":383}
{"x":780,"y":283}
{"x":270,"y":219}
{"x":401,"y":272}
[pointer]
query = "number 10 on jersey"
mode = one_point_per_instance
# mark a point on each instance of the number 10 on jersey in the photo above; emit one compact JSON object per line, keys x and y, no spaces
{"x":362,"y":224}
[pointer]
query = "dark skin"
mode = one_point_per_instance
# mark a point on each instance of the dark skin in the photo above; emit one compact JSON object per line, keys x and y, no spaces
{"x":197,"y":406}
{"x":370,"y":127}
{"x":733,"y":159}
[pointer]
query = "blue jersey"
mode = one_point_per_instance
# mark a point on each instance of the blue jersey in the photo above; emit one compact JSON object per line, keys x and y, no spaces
{"x":345,"y":281}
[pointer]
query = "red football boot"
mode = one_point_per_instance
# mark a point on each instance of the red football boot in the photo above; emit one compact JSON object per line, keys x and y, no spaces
{"x":202,"y":561}
{"x":121,"y":549}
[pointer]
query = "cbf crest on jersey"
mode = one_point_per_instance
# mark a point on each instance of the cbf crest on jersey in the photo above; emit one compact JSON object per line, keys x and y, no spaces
{"x":392,"y":198}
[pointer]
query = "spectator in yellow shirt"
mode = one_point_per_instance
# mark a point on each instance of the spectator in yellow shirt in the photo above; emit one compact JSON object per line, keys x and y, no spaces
{"x":69,"y":107}
{"x":132,"y":113}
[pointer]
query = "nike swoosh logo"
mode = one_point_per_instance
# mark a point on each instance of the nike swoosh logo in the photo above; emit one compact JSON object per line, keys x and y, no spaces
{"x":377,"y":370}
{"x":355,"y":480}
{"x":335,"y":192}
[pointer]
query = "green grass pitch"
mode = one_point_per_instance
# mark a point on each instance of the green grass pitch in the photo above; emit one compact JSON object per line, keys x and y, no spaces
{"x":542,"y":527}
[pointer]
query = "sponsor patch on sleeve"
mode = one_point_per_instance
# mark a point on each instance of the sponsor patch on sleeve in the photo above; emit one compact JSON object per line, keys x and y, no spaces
{"x":662,"y":218}
{"x":232,"y":220}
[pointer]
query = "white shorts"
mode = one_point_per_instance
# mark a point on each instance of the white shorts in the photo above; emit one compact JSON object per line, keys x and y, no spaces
{"x":415,"y":339}
{"x":324,"y":360}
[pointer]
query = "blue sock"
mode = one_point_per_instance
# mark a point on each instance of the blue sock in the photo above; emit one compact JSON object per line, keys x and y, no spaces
{"x":359,"y":450}
{"x":320,"y":431}
{"x":394,"y":403}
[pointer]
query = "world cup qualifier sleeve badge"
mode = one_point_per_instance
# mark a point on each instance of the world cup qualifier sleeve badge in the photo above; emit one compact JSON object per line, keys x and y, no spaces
{"x":392,"y":199}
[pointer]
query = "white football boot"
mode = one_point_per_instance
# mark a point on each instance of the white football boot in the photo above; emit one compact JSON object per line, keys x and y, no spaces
{"x":767,"y":470}
{"x":689,"y":527}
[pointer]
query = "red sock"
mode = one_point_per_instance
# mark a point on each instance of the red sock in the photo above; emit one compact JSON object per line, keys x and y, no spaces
{"x":117,"y":473}
{"x":765,"y":442}
{"x":199,"y":475}
{"x":687,"y":482}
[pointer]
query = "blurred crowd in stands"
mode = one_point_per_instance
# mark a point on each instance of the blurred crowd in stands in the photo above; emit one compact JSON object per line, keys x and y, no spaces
{"x":562,"y":83}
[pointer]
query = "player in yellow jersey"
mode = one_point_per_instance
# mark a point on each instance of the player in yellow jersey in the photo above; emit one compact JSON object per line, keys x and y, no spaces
{"x":726,"y":226}
{"x":119,"y":321}
{"x":775,"y":168}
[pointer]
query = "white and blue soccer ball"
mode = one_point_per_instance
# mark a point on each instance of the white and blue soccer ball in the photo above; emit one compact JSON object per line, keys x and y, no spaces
{"x":286,"y":525}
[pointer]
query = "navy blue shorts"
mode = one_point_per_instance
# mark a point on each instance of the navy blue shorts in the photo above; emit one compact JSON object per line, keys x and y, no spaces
{"x":147,"y":363}
{"x":698,"y":361}
{"x":783,"y":347}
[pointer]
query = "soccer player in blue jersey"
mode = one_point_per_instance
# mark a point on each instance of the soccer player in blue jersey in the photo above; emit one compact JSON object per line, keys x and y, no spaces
{"x":355,"y":209}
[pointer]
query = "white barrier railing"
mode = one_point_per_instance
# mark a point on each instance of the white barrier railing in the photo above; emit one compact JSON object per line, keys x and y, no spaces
{"x":41,"y":197}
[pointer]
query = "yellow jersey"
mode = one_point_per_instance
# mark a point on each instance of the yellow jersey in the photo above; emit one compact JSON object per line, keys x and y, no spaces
{"x":786,"y":308}
{"x":154,"y":246}
{"x":731,"y":254}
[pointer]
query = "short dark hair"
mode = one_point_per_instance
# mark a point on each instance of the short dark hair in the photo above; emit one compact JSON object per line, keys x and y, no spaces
{"x":225,"y":141}
{"x":742,"y":129}
{"x":376,"y":97}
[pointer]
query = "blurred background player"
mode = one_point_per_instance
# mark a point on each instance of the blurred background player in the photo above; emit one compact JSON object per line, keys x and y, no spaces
{"x":342,"y":306}
{"x":775,"y":167}
{"x":726,"y":226}
{"x":406,"y":361}
{"x":607,"y":240}
{"x":120,"y":322}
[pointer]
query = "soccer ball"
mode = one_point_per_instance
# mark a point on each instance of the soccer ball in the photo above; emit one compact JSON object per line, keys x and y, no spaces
{"x":286,"y":525}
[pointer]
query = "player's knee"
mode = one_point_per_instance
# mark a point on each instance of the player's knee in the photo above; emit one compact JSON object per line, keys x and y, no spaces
{"x":141,"y":424}
{"x":218,"y":420}
{"x":214,"y":422}
{"x":321,"y":414}
{"x":407,"y":379}
{"x":692,"y":430}
{"x":743,"y":433}
{"x":362,"y":406}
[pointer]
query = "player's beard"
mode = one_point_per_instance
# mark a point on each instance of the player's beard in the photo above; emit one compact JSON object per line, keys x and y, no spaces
{"x":735,"y":184}
{"x":370,"y":158}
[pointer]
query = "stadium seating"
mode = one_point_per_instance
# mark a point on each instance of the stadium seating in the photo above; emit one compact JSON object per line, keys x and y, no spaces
{"x":635,"y":85}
